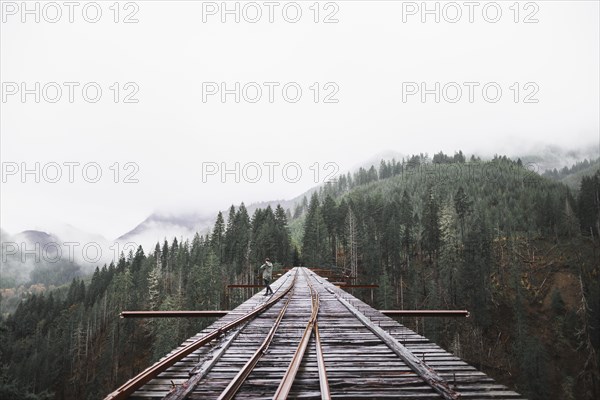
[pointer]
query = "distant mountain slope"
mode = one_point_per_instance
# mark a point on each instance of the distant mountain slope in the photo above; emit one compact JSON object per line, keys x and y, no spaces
{"x":53,"y":258}
{"x":36,"y":257}
{"x":554,"y":157}
{"x":159,"y":226}
{"x":574,"y":180}
{"x":572,"y":176}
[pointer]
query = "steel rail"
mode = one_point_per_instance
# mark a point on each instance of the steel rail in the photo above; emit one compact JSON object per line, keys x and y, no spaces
{"x":198,"y":373}
{"x":136,"y":382}
{"x":426,"y":313}
{"x":173,"y":314}
{"x":287,"y":382}
{"x":323,"y":382}
{"x":425,"y":372}
{"x":235,"y":384}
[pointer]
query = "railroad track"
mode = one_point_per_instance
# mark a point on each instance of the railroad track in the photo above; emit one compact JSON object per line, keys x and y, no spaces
{"x":309,"y":340}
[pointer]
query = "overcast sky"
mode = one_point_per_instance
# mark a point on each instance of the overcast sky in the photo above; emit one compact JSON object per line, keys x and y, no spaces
{"x":367,"y":69}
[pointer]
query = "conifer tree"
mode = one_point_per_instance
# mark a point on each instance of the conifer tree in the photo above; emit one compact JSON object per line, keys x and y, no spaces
{"x":462,"y":205}
{"x":282,"y":254}
{"x":217,"y":237}
{"x":431,"y":224}
{"x":329,"y":212}
{"x":314,"y":241}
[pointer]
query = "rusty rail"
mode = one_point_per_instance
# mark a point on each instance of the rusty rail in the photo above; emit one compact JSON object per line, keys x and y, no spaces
{"x":431,"y":377}
{"x":133,"y":384}
{"x":347,"y":286}
{"x":173,"y":314}
{"x":426,"y":313}
{"x":244,"y":286}
{"x":323,"y":381}
{"x":290,"y":374}
{"x":235,"y":384}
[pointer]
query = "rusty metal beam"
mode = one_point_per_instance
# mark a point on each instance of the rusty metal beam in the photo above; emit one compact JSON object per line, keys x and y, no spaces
{"x":425,"y":313}
{"x":326,"y":272}
{"x":345,"y":286}
{"x":173,"y":314}
{"x":222,"y":313}
{"x":244,"y":286}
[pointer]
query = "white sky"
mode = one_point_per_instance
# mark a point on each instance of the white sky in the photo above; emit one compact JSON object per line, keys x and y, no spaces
{"x":368,"y":54}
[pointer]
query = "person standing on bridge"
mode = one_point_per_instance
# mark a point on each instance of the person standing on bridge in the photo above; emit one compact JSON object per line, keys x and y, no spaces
{"x":267,"y":269}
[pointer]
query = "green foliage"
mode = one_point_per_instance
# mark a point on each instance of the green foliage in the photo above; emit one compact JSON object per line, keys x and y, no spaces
{"x":282,"y":236}
{"x":572,"y":176}
{"x":426,"y":232}
{"x":384,"y":294}
{"x":9,"y":389}
{"x":533,"y":360}
{"x":72,"y":342}
{"x":218,"y":236}
{"x":314,"y":241}
{"x":431,"y":224}
{"x":448,"y":232}
{"x":166,"y":331}
{"x":588,"y":205}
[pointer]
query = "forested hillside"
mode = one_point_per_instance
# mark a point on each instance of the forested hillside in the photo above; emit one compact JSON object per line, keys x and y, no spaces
{"x":572,"y":176}
{"x":71,"y":344}
{"x":518,"y":250}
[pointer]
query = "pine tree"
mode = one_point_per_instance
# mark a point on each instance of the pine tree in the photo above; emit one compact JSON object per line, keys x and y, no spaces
{"x":450,"y":260}
{"x":243,"y":231}
{"x":392,"y":237}
{"x":406,"y":220}
{"x":352,"y":243}
{"x":462,"y":205}
{"x":475,"y":272}
{"x":329,"y":212}
{"x":165,"y":255}
{"x":217,"y":237}
{"x":197,"y":250}
{"x":314,"y":242}
{"x":264,"y":235}
{"x":569,"y":225}
{"x":166,"y":331}
{"x":230,"y":237}
{"x":154,"y":288}
{"x":431,"y":224}
{"x":588,"y":204}
{"x":282,"y":253}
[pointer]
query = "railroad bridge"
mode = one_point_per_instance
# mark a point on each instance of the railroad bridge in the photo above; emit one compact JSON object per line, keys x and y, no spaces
{"x":312,"y":340}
